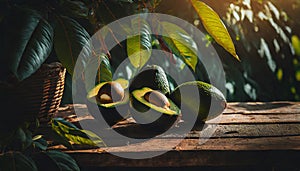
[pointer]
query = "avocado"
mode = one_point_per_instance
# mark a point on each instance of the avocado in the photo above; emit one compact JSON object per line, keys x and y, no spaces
{"x":152,"y":76}
{"x":153,"y":110}
{"x":111,"y":98}
{"x":195,"y":99}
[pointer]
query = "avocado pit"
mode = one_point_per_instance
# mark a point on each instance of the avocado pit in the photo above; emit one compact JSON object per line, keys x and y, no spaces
{"x":158,"y":99}
{"x":110,"y":92}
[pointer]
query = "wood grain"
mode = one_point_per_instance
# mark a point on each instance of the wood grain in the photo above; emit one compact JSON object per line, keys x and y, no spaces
{"x":190,"y":152}
{"x":279,"y":107}
{"x":246,"y":134}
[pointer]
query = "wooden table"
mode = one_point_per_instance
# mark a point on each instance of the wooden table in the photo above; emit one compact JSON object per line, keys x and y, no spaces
{"x":249,"y":136}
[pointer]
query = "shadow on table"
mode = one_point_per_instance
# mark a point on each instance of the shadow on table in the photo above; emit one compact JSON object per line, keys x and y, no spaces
{"x":262,"y":106}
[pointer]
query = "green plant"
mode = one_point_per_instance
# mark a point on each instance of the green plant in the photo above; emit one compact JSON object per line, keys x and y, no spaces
{"x":21,"y":151}
{"x":33,"y":31}
{"x":64,"y":24}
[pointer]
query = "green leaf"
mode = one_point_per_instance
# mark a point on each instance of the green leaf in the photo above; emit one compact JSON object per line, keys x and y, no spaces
{"x":94,"y":138}
{"x":39,"y":142}
{"x":70,"y":39}
{"x":55,"y":160}
{"x":26,"y":41}
{"x":74,"y":8}
{"x":104,"y":73}
{"x":139,"y":46}
{"x":63,"y":160}
{"x":214,"y":26}
{"x":44,"y":161}
{"x":180,"y":43}
{"x":16,"y":161}
{"x":21,"y":139}
{"x":296,"y":44}
{"x":74,"y":134}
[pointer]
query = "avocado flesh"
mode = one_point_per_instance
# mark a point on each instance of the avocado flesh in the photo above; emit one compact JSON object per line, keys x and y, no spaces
{"x":199,"y":104}
{"x":93,"y":93}
{"x":109,"y":111}
{"x":152,"y":76}
{"x":145,"y":105}
{"x":150,"y":116}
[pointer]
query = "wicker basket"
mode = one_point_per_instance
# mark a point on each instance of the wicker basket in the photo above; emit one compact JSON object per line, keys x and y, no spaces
{"x":42,"y":92}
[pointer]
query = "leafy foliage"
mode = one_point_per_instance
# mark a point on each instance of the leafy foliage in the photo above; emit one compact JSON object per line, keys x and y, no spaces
{"x":55,"y":160}
{"x":180,"y":43}
{"x":70,"y":40}
{"x":214,"y":26}
{"x":104,"y":72}
{"x":27,"y":41}
{"x":16,"y":161}
{"x":77,"y":136}
{"x":139,"y":45}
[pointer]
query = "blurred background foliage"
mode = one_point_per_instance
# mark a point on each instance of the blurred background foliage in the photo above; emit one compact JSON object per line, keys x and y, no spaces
{"x":266,"y":36}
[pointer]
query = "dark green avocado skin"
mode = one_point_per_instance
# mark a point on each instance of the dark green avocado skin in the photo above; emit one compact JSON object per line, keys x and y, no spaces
{"x":110,"y":115}
{"x":207,"y":104}
{"x":151,"y":76}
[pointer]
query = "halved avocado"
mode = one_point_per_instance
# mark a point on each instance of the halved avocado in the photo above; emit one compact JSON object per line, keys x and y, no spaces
{"x":151,"y":116}
{"x":109,"y":111}
{"x":152,"y":76}
{"x":207,"y":104}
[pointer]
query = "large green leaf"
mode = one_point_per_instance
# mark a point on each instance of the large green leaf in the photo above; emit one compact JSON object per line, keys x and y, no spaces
{"x":64,"y":161}
{"x":44,"y":161}
{"x":214,"y":26}
{"x":55,"y":160}
{"x":26,"y":41}
{"x":74,"y":8}
{"x":21,"y":139}
{"x":70,"y":39}
{"x":139,"y":46}
{"x":180,"y":43}
{"x":16,"y":161}
{"x":296,"y":44}
{"x":103,"y":74}
{"x":74,"y":134}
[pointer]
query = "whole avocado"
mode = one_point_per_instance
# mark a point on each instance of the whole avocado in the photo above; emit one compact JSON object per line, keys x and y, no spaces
{"x":198,"y":100}
{"x":152,"y":76}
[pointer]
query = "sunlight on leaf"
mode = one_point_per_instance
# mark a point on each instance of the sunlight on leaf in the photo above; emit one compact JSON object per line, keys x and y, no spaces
{"x":180,"y":43}
{"x":74,"y":134}
{"x":139,"y":46}
{"x":296,"y":44}
{"x":279,"y":74}
{"x":214,"y":26}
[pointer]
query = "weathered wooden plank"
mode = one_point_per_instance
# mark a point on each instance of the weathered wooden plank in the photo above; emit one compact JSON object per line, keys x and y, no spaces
{"x":248,"y":117}
{"x":280,"y":107}
{"x":247,"y":134}
{"x":246,"y":131}
{"x":255,"y":119}
{"x":191,"y":152}
{"x":194,"y":159}
{"x":229,"y":125}
{"x":221,"y":131}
